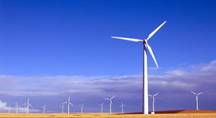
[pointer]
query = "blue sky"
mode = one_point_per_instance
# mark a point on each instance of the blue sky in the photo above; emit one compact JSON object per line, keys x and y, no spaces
{"x":46,"y":42}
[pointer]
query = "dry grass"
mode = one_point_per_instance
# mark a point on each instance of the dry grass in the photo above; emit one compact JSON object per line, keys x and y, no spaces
{"x":170,"y":115}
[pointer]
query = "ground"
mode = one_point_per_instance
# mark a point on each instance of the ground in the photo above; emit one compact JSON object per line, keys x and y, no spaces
{"x":163,"y":114}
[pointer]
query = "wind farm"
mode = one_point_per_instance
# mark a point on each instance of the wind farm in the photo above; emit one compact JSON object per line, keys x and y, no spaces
{"x":107,"y":59}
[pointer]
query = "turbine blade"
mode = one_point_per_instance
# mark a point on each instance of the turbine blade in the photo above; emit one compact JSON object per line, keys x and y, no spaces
{"x":152,"y":55}
{"x":153,"y":32}
{"x":128,"y":39}
{"x":112,"y":97}
{"x":193,"y":92}
{"x":200,"y":93}
{"x":156,"y":94}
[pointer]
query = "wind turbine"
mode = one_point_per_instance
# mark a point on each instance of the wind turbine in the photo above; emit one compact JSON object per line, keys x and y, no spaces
{"x":197,"y":98}
{"x":146,"y":47}
{"x":122,"y":108}
{"x":101,"y":107}
{"x":9,"y":108}
{"x":28,"y":105}
{"x":44,"y":108}
{"x":68,"y":102}
{"x":153,"y":101}
{"x":110,"y":103}
{"x":62,"y":107}
{"x":17,"y":108}
{"x":81,"y":108}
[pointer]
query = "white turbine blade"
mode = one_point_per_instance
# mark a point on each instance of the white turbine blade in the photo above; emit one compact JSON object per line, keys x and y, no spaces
{"x":112,"y":97}
{"x":153,"y":32}
{"x":30,"y":105}
{"x":193,"y":92}
{"x":152,"y":54}
{"x":70,"y":103}
{"x":200,"y":93}
{"x":156,"y":94}
{"x":128,"y":39}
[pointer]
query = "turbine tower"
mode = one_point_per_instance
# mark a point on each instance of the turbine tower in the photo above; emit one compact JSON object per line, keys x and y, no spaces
{"x":28,"y":105}
{"x":9,"y":108}
{"x":68,"y":102}
{"x":62,"y":107}
{"x":146,"y":47}
{"x":81,"y":108}
{"x":197,"y":98}
{"x":110,"y":103}
{"x":101,"y":107}
{"x":17,"y":108}
{"x":44,"y":108}
{"x":153,"y":101}
{"x":122,"y":108}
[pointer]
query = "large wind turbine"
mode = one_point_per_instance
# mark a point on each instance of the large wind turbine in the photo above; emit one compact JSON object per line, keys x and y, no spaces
{"x":197,"y":98}
{"x":146,"y":47}
{"x":110,"y":103}
{"x":153,"y":101}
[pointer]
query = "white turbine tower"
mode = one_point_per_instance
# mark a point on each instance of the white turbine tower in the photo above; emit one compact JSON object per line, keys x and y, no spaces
{"x":110,"y":103}
{"x":62,"y":107}
{"x":146,"y":47}
{"x":44,"y":108}
{"x":153,"y":102}
{"x":122,"y":108}
{"x":101,"y":107}
{"x":17,"y":108}
{"x":9,"y":108}
{"x":68,"y":102}
{"x":81,"y":108}
{"x":28,"y":105}
{"x":197,"y":98}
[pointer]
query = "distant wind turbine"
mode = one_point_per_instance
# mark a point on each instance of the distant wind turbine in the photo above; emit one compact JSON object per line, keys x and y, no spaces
{"x":44,"y":108}
{"x":110,"y":99}
{"x":197,"y":98}
{"x":9,"y":108}
{"x":17,"y":108}
{"x":28,"y":105}
{"x":68,"y":102}
{"x":153,"y":101}
{"x":101,"y":107}
{"x":62,"y":107}
{"x":146,"y":47}
{"x":122,"y":108}
{"x":81,"y":108}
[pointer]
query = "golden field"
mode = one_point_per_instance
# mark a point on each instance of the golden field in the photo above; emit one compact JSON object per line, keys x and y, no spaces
{"x":89,"y":115}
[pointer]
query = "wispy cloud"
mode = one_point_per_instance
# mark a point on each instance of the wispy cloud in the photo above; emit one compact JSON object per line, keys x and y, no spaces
{"x":5,"y":107}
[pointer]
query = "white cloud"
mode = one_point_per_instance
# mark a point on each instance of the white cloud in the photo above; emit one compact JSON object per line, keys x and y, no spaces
{"x":103,"y":85}
{"x":4,"y":107}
